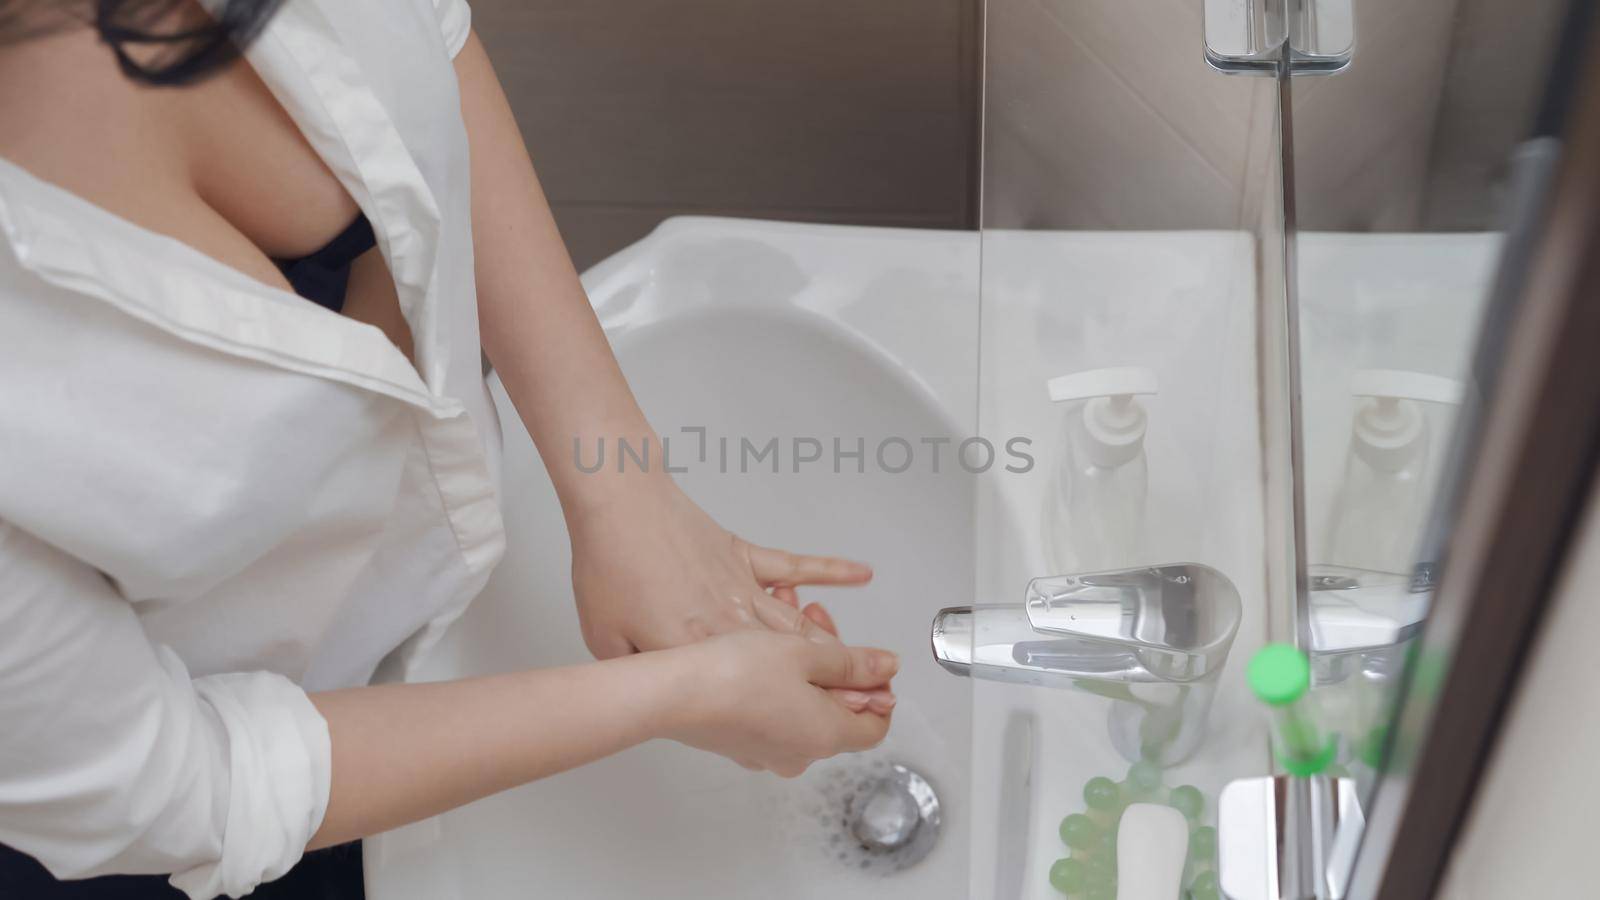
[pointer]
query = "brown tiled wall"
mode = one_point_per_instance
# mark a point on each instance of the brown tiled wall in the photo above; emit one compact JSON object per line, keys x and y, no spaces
{"x":860,"y":111}
{"x":1101,"y":113}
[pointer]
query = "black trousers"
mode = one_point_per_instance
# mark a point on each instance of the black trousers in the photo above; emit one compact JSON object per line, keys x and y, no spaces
{"x":331,"y":874}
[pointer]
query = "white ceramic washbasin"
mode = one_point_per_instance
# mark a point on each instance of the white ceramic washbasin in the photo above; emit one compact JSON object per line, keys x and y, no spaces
{"x":750,"y":330}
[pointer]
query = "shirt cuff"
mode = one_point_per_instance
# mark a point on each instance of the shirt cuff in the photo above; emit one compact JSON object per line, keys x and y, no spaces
{"x":281,"y":763}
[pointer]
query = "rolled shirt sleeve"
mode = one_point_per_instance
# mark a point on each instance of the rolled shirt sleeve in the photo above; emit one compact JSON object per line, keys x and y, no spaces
{"x":455,"y":20}
{"x":113,"y":760}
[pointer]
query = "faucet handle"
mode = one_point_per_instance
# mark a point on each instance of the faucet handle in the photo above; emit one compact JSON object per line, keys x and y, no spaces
{"x":1178,"y":619}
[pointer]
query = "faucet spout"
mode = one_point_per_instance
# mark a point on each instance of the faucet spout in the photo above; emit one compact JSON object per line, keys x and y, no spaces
{"x":999,"y":643}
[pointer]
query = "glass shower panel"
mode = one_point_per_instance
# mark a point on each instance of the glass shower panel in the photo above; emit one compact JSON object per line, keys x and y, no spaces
{"x":1132,"y":256}
{"x":1405,"y":170}
{"x":1232,"y":324}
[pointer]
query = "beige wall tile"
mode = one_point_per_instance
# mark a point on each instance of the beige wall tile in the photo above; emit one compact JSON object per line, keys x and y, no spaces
{"x":1154,"y":48}
{"x":1499,"y":63}
{"x":1101,"y":115}
{"x":1361,"y":137}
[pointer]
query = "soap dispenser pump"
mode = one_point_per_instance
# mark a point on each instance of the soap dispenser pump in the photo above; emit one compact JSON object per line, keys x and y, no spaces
{"x":1377,"y":513}
{"x":1094,"y":512}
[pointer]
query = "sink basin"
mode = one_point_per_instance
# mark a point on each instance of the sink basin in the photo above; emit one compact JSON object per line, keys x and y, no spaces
{"x":761,"y":330}
{"x":752,"y":331}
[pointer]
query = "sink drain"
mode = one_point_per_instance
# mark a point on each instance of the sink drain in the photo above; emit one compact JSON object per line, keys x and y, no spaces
{"x":880,"y":817}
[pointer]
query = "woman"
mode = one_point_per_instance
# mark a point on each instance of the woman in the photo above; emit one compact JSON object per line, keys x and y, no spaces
{"x":246,"y":456}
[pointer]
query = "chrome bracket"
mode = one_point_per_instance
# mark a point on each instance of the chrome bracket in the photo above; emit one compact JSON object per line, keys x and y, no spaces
{"x":1261,"y":855}
{"x":1265,"y":37}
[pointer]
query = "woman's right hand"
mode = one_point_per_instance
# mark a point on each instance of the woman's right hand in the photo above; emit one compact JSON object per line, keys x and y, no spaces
{"x":779,"y":702}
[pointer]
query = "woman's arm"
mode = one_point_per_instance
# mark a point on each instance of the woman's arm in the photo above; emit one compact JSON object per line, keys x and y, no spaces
{"x":405,"y":752}
{"x":113,"y":760}
{"x":461,"y":740}
{"x":650,"y":569}
{"x":777,"y":695}
{"x":538,"y":327}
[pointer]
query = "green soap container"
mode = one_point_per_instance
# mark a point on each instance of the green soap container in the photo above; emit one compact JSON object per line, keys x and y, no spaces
{"x":1280,"y":676}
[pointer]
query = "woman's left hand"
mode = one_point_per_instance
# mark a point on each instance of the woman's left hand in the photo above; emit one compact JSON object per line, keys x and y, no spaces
{"x":659,"y":572}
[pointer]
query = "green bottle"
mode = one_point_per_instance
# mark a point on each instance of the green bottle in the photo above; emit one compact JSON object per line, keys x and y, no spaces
{"x":1280,"y":677}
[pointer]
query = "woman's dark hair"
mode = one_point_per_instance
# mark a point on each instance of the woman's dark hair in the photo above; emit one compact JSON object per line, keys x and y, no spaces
{"x":158,"y":42}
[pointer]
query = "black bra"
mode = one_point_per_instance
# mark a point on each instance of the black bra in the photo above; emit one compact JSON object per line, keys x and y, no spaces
{"x":323,"y":276}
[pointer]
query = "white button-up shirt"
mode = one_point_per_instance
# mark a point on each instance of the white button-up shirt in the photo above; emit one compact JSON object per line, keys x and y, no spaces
{"x":215,"y":495}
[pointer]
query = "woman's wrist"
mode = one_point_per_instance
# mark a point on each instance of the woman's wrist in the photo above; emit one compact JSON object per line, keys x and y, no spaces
{"x":595,"y":499}
{"x":598,"y":448}
{"x":680,"y":685}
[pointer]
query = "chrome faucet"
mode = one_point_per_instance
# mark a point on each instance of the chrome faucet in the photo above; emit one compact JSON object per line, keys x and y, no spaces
{"x":1158,"y":624}
{"x":1153,"y":639}
{"x":1362,"y":621}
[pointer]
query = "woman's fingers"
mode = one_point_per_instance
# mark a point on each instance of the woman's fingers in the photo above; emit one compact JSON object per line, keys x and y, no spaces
{"x":780,"y":616}
{"x":812,"y":611}
{"x":606,"y":644}
{"x":784,"y":568}
{"x":863,"y":731}
{"x":855,"y":701}
{"x":880,"y":701}
{"x":817,"y":614}
{"x":833,"y":665}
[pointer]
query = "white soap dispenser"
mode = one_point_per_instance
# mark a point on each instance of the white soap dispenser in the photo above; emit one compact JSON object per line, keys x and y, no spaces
{"x":1094,"y":512}
{"x":1377,"y":514}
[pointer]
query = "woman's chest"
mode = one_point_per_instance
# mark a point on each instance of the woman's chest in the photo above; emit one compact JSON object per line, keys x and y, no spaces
{"x":259,"y":162}
{"x":171,"y":422}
